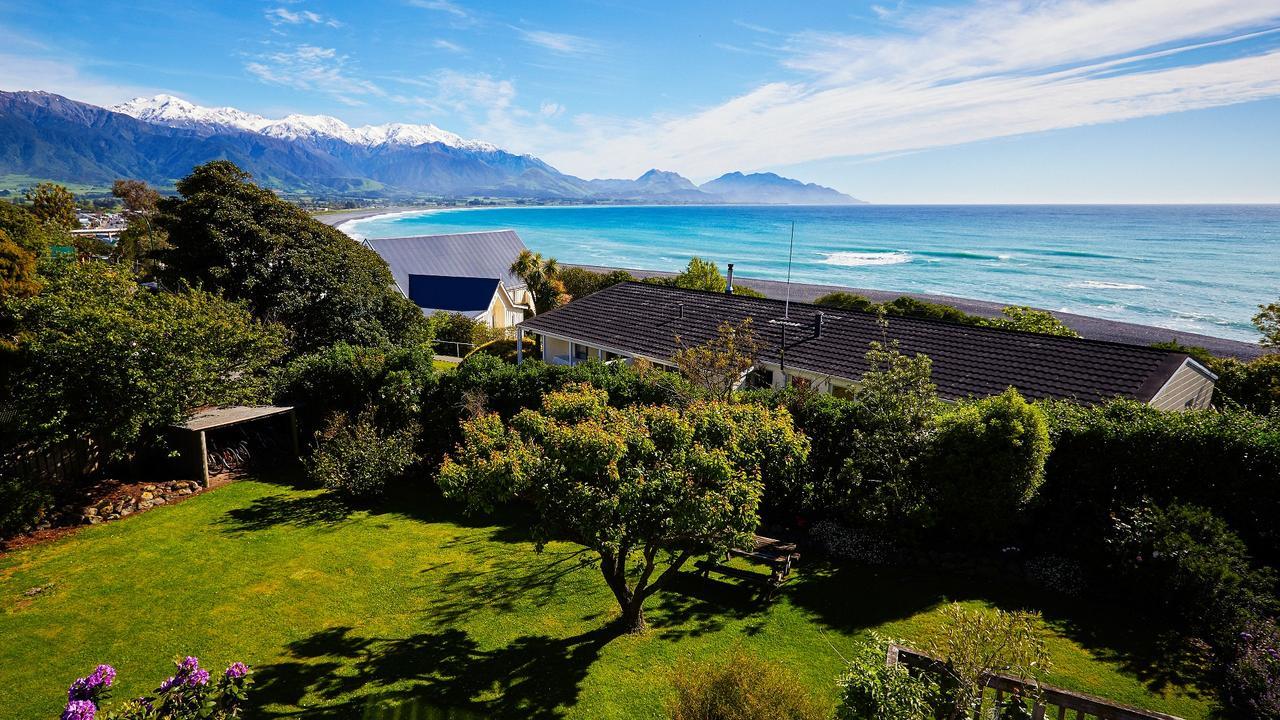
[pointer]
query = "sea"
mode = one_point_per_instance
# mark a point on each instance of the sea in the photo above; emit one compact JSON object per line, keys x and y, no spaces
{"x":1195,"y":268}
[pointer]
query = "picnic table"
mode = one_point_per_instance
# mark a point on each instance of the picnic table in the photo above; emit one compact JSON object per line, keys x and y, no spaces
{"x":777,"y":555}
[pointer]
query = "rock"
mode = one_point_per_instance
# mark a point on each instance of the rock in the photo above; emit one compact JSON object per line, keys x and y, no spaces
{"x":90,"y":511}
{"x":184,"y":491}
{"x":126,"y":511}
{"x":148,"y":494}
{"x":148,"y":488}
{"x":159,"y":501}
{"x":113,"y":516}
{"x":145,"y":504}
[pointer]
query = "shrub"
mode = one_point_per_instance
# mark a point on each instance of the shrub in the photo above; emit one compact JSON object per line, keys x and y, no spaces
{"x":974,"y":644}
{"x":874,"y":690}
{"x":986,"y":464}
{"x":1110,"y":457}
{"x":1191,"y":568}
{"x":1253,"y":385}
{"x":580,"y":282}
{"x":1251,"y":676}
{"x":357,"y":460}
{"x":343,"y":378}
{"x":190,"y":693}
{"x":742,"y":687}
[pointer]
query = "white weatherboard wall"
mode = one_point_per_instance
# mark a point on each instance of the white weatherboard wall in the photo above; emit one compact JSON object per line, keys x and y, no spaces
{"x":1190,"y":387}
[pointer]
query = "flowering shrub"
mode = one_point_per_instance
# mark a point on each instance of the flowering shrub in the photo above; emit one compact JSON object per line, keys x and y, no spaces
{"x":1251,"y":681}
{"x":1061,"y":575}
{"x":191,"y":692}
{"x":851,"y":544}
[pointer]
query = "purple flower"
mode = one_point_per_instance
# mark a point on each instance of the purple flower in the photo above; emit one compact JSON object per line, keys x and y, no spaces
{"x":79,"y":690}
{"x":103,"y":676}
{"x":190,"y":662}
{"x":79,"y":710}
{"x":199,"y":677}
{"x":236,"y":670}
{"x":168,"y":684}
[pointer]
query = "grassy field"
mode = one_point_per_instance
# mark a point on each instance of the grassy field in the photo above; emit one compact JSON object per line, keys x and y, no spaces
{"x":347,"y":614}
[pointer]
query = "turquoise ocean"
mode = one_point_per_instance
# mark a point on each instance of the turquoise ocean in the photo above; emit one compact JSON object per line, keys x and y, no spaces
{"x":1196,"y":268}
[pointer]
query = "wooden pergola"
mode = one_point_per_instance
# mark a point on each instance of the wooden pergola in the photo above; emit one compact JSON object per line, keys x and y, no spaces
{"x":195,"y":451}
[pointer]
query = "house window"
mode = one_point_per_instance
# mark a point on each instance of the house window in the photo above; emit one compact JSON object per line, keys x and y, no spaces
{"x":758,"y":378}
{"x":579,"y":352}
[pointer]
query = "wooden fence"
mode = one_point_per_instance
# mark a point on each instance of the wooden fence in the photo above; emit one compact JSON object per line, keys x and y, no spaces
{"x":1054,"y":703}
{"x":67,"y":462}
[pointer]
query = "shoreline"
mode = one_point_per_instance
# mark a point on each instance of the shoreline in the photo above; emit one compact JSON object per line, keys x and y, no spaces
{"x":1092,"y":328}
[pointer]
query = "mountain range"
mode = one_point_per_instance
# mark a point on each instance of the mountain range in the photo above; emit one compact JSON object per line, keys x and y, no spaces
{"x":160,"y":139}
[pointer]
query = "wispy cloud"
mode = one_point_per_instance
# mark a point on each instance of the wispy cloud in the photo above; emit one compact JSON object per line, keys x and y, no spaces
{"x":285,"y":16}
{"x":561,"y":43}
{"x":442,"y":44}
{"x":317,"y":69}
{"x":994,"y":68}
{"x":24,"y":71}
{"x":756,"y":28}
{"x":443,"y":6}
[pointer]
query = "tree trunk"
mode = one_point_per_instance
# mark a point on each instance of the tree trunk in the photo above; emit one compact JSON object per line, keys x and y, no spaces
{"x":633,"y":615}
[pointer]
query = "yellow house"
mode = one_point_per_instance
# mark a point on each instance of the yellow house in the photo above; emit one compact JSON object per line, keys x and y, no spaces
{"x":467,"y":273}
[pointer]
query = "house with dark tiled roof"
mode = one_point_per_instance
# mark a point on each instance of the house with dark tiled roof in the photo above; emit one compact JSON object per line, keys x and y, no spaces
{"x":467,"y":273}
{"x":826,"y":348}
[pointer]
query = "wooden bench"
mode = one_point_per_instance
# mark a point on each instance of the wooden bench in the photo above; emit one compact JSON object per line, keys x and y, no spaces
{"x":777,"y":555}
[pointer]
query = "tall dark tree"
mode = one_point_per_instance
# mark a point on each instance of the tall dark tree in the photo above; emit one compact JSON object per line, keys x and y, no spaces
{"x":17,"y":269}
{"x":230,"y":236}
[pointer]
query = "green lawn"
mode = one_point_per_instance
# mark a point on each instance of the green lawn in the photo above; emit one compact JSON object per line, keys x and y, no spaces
{"x":338,"y":611}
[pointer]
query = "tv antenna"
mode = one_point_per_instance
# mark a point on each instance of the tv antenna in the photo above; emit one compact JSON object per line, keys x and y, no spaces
{"x":786,"y":308}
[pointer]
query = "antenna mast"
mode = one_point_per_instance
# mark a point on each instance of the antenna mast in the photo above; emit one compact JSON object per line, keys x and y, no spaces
{"x":786,"y":308}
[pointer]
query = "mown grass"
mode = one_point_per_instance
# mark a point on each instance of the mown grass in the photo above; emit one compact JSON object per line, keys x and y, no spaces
{"x":350,"y":613}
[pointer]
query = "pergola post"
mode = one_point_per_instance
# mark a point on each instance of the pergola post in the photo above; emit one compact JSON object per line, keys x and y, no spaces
{"x":203,"y":448}
{"x":519,"y":347}
{"x":293,"y":433}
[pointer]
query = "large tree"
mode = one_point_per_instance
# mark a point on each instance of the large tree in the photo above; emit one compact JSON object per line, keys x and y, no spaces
{"x":95,"y":354}
{"x":649,"y":485}
{"x":141,"y":239}
{"x":28,"y":232}
{"x":232,"y":237}
{"x":54,"y":205}
{"x":17,"y":269}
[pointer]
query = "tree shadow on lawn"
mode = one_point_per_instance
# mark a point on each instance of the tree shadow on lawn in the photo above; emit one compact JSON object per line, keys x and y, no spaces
{"x":851,"y":599}
{"x":422,"y":502}
{"x":426,"y":675}
{"x":498,"y":580}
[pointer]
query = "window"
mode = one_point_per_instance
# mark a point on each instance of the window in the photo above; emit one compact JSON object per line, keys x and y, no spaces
{"x":579,"y":352}
{"x":759,"y":378}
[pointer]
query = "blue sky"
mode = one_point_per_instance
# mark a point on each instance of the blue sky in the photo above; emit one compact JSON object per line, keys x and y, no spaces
{"x":987,"y":101}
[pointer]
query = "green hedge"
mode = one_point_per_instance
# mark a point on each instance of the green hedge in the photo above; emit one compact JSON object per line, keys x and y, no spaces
{"x":1110,"y":457}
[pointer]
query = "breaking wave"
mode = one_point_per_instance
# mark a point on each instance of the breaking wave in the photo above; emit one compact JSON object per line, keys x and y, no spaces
{"x":860,"y":259}
{"x":1104,"y":285}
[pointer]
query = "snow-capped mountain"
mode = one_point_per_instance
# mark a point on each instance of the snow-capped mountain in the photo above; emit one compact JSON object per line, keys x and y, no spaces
{"x":173,"y":111}
{"x":159,"y":139}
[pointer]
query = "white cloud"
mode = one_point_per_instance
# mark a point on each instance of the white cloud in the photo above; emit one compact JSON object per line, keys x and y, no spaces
{"x":307,"y":67}
{"x":550,"y":109}
{"x":442,"y":44}
{"x":943,"y":77}
{"x":561,"y":43}
{"x":443,"y":6}
{"x":284,"y":16}
{"x":25,"y":72}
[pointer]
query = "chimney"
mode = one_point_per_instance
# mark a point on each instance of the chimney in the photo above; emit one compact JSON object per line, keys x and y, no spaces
{"x":728,"y":283}
{"x":817,"y":324}
{"x":681,"y":311}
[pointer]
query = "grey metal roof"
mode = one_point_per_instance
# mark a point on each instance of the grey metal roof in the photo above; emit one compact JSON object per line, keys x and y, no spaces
{"x":474,"y":254}
{"x":213,"y":418}
{"x":644,"y":319}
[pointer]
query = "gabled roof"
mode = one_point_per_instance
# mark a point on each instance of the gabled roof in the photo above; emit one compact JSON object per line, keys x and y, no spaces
{"x":644,"y":319}
{"x":472,"y":255}
{"x":445,"y":293}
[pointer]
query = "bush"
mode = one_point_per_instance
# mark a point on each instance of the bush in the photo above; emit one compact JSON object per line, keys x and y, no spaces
{"x":343,"y":378}
{"x":580,"y":282}
{"x":1251,"y":675}
{"x":23,"y":502}
{"x":742,"y":687}
{"x":1253,"y":385}
{"x":357,"y":460}
{"x":1110,"y":457}
{"x":985,"y":465}
{"x":190,"y":693}
{"x":874,"y":690}
{"x":1189,"y":567}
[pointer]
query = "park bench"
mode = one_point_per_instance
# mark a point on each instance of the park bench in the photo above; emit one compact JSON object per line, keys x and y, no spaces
{"x":777,"y":555}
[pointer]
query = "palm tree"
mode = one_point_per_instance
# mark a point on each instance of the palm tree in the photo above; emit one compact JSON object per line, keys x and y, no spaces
{"x":540,"y":277}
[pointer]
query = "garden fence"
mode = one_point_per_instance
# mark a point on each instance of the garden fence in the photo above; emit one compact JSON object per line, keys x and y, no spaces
{"x":69,"y":461}
{"x":1053,"y":703}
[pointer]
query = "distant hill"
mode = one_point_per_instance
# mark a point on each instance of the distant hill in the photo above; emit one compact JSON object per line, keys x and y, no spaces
{"x":770,"y":188}
{"x":160,"y":139}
